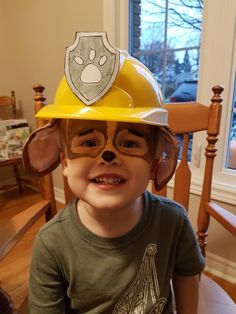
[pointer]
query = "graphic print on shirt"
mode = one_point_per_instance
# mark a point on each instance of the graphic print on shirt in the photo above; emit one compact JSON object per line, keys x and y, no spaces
{"x":143,"y":295}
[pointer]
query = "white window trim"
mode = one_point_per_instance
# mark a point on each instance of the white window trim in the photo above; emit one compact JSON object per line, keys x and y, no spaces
{"x":116,"y":21}
{"x":217,"y":66}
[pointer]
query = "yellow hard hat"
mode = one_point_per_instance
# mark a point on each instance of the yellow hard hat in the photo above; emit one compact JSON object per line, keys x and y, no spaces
{"x":134,"y":96}
{"x":102,"y":83}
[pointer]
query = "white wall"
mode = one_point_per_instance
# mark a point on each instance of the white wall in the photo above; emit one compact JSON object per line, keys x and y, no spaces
{"x":33,"y":36}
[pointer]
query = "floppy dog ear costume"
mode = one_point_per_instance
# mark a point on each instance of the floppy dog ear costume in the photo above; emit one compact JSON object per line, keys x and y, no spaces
{"x":103,"y":84}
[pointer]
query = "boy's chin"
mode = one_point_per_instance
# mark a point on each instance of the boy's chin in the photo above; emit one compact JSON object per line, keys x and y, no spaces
{"x":109,"y":203}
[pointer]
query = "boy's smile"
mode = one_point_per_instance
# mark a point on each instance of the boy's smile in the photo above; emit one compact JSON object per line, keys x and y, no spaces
{"x":107,"y":181}
{"x":108,"y":164}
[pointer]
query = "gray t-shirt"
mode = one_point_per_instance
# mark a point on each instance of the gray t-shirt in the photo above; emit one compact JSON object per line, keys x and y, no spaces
{"x":76,"y":271}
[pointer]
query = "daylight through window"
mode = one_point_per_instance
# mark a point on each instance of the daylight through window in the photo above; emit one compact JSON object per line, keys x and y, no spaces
{"x":166,"y":37}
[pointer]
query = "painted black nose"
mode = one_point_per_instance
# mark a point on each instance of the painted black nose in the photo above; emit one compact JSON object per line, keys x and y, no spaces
{"x":108,"y":156}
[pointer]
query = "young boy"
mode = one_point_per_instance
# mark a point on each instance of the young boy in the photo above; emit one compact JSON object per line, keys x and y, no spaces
{"x":116,"y":247}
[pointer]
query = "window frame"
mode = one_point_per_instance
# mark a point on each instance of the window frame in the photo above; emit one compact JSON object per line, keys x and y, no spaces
{"x":217,"y":66}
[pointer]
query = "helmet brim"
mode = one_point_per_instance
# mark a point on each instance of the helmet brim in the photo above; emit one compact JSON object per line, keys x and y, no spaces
{"x":145,"y":115}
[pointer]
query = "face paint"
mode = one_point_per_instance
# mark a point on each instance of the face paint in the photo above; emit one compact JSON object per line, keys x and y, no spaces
{"x":91,"y":138}
{"x":85,"y":138}
{"x":108,"y":156}
{"x":135,"y":139}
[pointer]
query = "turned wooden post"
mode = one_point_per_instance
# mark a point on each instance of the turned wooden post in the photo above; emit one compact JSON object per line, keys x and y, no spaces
{"x":46,"y":182}
{"x":210,"y":153}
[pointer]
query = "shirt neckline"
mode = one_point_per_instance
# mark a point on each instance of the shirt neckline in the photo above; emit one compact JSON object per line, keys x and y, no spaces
{"x":112,"y":243}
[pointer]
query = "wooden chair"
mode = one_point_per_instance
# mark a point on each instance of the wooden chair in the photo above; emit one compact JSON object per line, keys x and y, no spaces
{"x":12,"y":229}
{"x":186,"y":119}
{"x":182,"y":119}
{"x":8,"y":110}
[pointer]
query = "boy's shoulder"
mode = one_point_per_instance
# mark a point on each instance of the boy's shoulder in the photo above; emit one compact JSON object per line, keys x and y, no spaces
{"x":166,"y":204}
{"x":63,"y":217}
{"x":166,"y":209}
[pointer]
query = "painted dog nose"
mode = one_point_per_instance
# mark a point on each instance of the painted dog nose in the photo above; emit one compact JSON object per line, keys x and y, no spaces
{"x":108,"y":156}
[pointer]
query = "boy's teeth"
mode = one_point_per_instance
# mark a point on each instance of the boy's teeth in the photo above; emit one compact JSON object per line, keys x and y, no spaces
{"x":103,"y":180}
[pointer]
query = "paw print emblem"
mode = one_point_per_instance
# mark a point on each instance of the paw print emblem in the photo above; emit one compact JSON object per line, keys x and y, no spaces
{"x":91,"y":66}
{"x":91,"y":73}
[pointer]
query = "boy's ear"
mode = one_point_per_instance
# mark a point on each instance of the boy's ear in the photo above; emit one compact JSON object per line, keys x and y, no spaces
{"x":164,"y":165}
{"x":154,"y":169}
{"x":41,"y":152}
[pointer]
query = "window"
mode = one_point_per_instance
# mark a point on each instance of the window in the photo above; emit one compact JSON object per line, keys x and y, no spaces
{"x":165,"y":36}
{"x":217,"y":65}
{"x":231,"y":151}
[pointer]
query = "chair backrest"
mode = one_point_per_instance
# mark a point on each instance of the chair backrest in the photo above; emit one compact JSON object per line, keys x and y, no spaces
{"x":185,"y":119}
{"x":8,"y":106}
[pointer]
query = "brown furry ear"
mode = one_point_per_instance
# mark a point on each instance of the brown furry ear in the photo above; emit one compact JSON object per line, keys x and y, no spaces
{"x":41,"y":152}
{"x":164,"y":165}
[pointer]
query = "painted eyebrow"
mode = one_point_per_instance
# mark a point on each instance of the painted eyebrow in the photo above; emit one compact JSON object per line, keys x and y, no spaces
{"x":81,"y":133}
{"x":139,"y":134}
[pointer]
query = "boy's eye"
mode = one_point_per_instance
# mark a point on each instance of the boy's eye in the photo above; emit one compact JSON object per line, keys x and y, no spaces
{"x":129,"y":144}
{"x":90,"y":143}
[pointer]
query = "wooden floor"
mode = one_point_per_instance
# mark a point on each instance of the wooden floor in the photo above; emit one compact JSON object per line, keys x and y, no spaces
{"x":14,"y":268}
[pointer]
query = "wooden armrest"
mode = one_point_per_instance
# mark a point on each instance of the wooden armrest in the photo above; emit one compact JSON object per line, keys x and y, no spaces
{"x":224,"y":217}
{"x":9,"y":162}
{"x":12,"y":229}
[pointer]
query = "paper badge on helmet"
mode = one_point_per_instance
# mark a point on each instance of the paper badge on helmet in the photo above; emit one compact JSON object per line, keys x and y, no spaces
{"x":91,"y":66}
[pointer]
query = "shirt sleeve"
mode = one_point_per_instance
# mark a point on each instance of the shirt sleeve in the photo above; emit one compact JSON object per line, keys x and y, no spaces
{"x":46,"y":285}
{"x":189,"y":259}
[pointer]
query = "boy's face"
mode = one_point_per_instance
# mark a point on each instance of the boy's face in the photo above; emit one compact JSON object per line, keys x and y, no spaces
{"x":108,"y":164}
